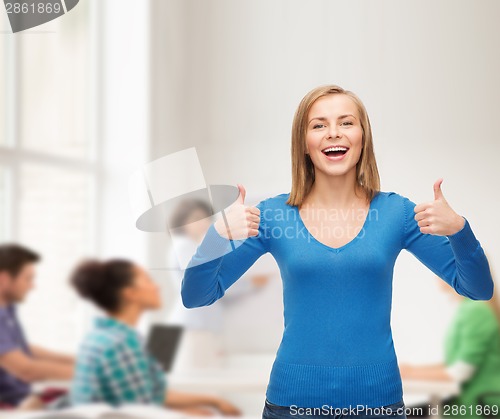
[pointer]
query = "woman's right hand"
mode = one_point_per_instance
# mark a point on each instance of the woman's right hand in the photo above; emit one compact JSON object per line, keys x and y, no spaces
{"x":243,"y":221}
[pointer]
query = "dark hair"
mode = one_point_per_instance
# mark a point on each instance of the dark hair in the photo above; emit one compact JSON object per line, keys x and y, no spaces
{"x":101,"y":282}
{"x":184,"y":210}
{"x":13,"y":257}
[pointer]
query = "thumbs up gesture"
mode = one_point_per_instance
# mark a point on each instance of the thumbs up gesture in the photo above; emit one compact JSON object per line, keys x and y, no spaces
{"x":437,"y":217}
{"x":242,"y":221}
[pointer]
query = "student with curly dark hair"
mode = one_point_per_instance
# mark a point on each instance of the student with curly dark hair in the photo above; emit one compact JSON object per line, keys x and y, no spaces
{"x":113,"y":365}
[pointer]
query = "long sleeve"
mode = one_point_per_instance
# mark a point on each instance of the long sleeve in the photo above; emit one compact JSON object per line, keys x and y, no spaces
{"x":219,"y":262}
{"x":458,"y":259}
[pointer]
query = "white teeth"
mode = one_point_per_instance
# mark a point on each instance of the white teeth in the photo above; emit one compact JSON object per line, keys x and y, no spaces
{"x":336,"y":148}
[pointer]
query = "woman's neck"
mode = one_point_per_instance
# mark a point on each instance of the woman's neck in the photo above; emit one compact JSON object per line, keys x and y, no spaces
{"x":129,"y":315}
{"x":334,"y":191}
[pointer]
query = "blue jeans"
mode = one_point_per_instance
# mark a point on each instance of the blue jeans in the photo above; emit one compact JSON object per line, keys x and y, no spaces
{"x":393,"y":411}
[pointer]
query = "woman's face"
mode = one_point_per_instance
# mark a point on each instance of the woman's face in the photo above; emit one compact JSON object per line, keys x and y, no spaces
{"x":333,"y":120}
{"x":144,"y":291}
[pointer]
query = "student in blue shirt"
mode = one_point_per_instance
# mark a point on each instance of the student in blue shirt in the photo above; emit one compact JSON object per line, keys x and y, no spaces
{"x":335,"y":237}
{"x":21,"y":362}
{"x":112,"y":365}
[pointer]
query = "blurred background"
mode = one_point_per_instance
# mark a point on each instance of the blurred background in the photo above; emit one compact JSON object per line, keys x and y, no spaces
{"x":90,"y":97}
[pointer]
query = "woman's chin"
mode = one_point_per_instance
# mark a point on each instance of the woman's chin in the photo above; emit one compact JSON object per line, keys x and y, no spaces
{"x":337,"y":171}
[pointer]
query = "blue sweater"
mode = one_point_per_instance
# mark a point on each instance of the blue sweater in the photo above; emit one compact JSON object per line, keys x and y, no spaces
{"x":337,"y":346}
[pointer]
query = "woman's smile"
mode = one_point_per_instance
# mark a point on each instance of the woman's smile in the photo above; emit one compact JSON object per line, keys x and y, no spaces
{"x":335,"y":153}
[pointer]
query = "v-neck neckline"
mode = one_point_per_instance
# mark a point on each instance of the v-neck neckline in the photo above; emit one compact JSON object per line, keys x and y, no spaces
{"x":355,"y":239}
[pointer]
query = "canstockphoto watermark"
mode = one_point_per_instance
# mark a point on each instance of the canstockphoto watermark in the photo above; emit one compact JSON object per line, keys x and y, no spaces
{"x":322,"y":223}
{"x":323,"y":232}
{"x":351,"y":410}
{"x":26,"y":14}
{"x":429,"y":410}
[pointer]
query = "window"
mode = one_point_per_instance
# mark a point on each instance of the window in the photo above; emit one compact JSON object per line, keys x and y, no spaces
{"x":49,"y":172}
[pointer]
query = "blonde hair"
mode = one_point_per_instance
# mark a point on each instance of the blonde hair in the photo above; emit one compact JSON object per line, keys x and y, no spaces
{"x":302,"y":166}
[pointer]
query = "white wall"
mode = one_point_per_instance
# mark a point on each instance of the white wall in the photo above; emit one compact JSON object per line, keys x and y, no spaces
{"x":124,"y":102}
{"x":121,"y":104}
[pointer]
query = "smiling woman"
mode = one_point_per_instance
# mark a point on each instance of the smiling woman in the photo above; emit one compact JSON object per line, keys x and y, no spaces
{"x":331,"y":117}
{"x":337,"y":348}
{"x":333,"y":147}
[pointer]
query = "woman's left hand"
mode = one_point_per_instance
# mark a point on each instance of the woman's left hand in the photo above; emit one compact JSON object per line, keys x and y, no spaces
{"x":437,"y":217}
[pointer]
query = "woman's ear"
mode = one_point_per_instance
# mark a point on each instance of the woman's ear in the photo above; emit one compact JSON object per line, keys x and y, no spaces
{"x":3,"y":281}
{"x":127,"y":294}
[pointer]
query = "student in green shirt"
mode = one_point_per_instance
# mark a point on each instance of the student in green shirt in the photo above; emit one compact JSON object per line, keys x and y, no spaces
{"x":472,"y":358}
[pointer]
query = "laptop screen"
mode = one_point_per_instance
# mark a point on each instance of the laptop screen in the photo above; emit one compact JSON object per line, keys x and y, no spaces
{"x":163,"y":343}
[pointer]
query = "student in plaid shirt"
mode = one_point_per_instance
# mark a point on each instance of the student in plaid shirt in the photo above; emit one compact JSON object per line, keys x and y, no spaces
{"x":113,"y":365}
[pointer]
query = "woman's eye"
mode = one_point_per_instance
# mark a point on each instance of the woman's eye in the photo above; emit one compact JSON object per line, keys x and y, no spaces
{"x":322,"y":125}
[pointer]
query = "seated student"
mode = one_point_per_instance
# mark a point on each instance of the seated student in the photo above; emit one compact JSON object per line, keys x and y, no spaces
{"x":113,"y":365}
{"x":20,"y":362}
{"x":472,"y":358}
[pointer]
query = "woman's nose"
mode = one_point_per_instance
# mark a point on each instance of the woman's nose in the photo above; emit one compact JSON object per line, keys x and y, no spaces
{"x":332,"y":131}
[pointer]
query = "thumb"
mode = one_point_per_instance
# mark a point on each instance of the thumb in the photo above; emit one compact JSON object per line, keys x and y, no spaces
{"x":438,"y":193}
{"x":241,"y":196}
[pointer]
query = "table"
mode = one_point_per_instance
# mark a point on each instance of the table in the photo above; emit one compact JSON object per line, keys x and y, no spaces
{"x":435,"y":392}
{"x":256,"y":380}
{"x":245,"y":380}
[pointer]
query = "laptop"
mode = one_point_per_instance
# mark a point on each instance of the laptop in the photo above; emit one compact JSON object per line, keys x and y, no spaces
{"x":163,"y":343}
